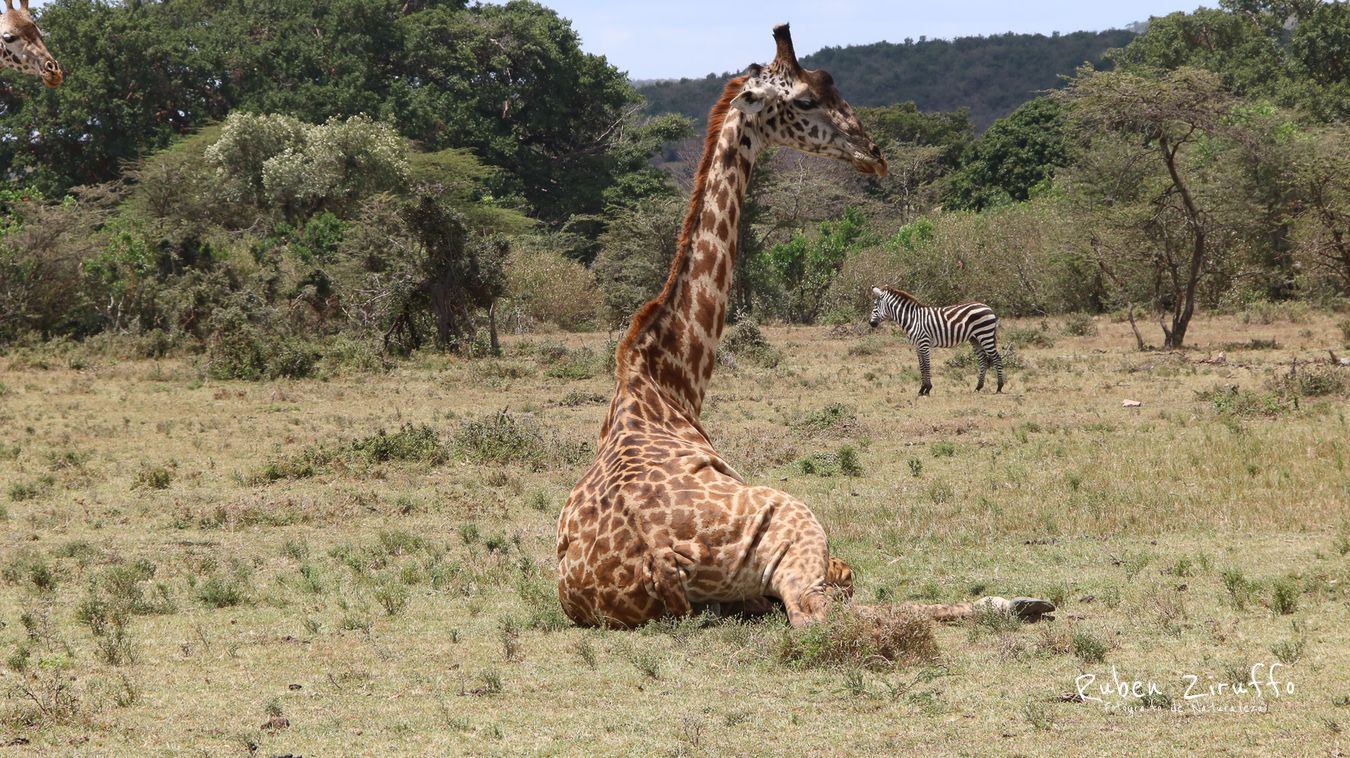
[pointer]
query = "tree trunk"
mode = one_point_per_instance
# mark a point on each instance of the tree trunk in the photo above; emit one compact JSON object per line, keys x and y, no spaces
{"x":494,"y":347}
{"x":1185,"y":307}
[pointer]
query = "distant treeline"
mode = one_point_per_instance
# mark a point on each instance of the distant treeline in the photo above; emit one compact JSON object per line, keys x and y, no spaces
{"x":988,"y":76}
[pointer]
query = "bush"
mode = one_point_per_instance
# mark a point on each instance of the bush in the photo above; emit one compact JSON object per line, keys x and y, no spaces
{"x":1080,"y":325}
{"x":862,"y":636}
{"x":544,"y":286}
{"x":835,"y":419}
{"x":745,"y":341}
{"x":238,"y":349}
{"x":153,"y":478}
{"x":1232,"y":401}
{"x":418,"y":444}
{"x":1311,"y":381}
{"x":1029,"y":337}
{"x":412,"y":443}
{"x":216,"y":592}
{"x":505,"y":438}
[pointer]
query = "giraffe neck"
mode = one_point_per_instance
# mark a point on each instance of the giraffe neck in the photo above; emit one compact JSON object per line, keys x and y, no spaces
{"x":672,"y":341}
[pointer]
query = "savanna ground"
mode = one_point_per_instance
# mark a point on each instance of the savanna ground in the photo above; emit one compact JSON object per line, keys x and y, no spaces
{"x":196,"y":566}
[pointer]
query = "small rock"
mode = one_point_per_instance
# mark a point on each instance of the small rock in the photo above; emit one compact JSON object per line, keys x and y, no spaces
{"x":294,"y":687}
{"x":1087,"y":598}
{"x":1130,"y":404}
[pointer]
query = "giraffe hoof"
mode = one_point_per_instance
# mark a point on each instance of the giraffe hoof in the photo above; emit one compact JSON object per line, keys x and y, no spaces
{"x":1030,"y":608}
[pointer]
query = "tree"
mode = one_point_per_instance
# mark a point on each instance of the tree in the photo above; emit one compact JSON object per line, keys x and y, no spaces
{"x":1017,"y":155}
{"x":1172,"y":117}
{"x":1322,"y":230}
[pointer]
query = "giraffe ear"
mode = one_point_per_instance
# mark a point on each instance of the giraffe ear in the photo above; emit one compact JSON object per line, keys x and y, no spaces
{"x":752,"y":97}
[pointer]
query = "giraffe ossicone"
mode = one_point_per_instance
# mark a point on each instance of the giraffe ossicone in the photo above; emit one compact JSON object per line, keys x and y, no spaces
{"x":661,"y":525}
{"x":22,"y":48}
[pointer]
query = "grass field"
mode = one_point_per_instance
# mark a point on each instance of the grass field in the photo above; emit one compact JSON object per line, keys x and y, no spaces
{"x":192,"y":566}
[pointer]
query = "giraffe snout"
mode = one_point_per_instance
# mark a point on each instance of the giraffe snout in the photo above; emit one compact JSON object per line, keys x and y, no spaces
{"x":51,"y":74}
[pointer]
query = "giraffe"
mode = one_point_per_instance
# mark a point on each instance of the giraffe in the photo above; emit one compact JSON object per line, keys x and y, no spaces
{"x":22,"y":48}
{"x":660,"y":524}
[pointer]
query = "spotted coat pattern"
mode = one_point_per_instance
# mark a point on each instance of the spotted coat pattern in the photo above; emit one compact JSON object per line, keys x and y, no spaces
{"x":660,"y":524}
{"x":22,"y":48}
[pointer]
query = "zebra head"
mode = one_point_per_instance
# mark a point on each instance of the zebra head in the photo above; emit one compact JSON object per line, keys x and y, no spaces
{"x":880,"y":308}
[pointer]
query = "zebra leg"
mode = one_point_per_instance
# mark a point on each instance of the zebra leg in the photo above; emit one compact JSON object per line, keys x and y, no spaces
{"x":979,"y":355}
{"x":998,"y":364}
{"x":926,"y":384}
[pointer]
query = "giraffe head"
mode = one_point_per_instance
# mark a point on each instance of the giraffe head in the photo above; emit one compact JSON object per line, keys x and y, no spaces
{"x":801,"y":108}
{"x":21,"y":46}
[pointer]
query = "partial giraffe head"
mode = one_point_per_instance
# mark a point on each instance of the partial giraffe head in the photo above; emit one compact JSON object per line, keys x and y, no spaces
{"x":21,"y":46}
{"x":801,"y":108}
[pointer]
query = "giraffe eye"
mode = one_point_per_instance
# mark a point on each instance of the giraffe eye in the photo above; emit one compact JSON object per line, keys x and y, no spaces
{"x":804,"y":103}
{"x":7,"y":37}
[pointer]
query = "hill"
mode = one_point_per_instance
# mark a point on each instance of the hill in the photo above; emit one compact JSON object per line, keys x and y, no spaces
{"x":988,"y":75}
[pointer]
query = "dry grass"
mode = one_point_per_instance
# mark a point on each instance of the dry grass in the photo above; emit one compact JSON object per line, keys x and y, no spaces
{"x":158,"y":594}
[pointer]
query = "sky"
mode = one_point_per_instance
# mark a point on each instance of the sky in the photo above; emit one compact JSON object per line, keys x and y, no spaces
{"x":693,"y":38}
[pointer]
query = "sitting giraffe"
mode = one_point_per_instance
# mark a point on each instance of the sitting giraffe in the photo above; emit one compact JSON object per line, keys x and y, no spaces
{"x":661,"y":525}
{"x":22,"y":48}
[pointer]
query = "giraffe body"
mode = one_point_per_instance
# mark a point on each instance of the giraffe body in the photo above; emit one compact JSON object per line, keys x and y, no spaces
{"x":660,"y":524}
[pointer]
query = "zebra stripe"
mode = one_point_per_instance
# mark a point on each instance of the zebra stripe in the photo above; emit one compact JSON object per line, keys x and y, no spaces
{"x":931,"y":326}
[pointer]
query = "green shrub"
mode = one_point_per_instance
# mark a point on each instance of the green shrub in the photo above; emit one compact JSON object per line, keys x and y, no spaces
{"x":1311,"y":381}
{"x":1232,"y":401}
{"x":153,"y":478}
{"x":239,"y":349}
{"x":1088,"y":648}
{"x":411,"y":443}
{"x":1030,"y":337}
{"x":835,"y":419}
{"x":842,"y":461}
{"x":744,"y":341}
{"x":505,"y":438}
{"x":1284,"y":596}
{"x":861,"y":636}
{"x":218,"y":592}
{"x":1080,"y":325}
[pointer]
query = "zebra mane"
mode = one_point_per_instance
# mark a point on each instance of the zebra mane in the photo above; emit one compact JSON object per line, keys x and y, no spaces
{"x":901,"y":294}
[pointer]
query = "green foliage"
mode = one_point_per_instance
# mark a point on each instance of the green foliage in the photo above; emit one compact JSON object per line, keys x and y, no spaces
{"x":239,"y":349}
{"x":636,"y":250}
{"x":506,"y":438}
{"x":807,"y":266}
{"x":1016,"y":157}
{"x":412,"y":443}
{"x":834,"y":419}
{"x":153,"y":478}
{"x":220,"y":592}
{"x":865,"y":637}
{"x":745,"y":341}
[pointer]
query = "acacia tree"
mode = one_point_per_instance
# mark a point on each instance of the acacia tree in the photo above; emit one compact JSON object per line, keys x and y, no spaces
{"x":1172,"y":117}
{"x":1322,"y":229}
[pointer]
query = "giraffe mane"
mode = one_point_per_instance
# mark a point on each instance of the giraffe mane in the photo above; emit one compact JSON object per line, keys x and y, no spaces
{"x":901,"y":293}
{"x":648,"y":313}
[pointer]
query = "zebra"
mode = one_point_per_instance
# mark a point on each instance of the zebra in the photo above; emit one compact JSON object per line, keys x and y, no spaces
{"x":941,"y":326}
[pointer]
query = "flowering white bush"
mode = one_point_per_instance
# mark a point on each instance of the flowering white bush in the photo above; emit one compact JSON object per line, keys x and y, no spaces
{"x":279,"y":161}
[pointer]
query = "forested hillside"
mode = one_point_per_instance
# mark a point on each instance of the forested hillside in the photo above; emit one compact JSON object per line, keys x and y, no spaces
{"x":989,"y":76}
